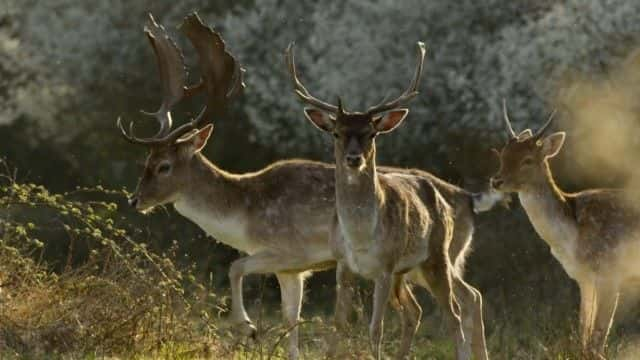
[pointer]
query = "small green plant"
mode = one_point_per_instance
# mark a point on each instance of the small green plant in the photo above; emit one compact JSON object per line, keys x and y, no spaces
{"x":109,"y":295}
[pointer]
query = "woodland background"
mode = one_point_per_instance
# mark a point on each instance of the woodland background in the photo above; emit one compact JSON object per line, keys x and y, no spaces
{"x":69,"y":68}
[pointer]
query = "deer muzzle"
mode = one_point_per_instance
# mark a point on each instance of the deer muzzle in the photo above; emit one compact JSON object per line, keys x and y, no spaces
{"x":354,"y":160}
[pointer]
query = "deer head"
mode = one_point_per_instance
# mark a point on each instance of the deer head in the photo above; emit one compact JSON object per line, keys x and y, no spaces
{"x":170,"y":151}
{"x":355,"y":132}
{"x":523,"y":160}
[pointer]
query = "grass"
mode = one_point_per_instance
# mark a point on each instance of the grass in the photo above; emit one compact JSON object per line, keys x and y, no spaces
{"x":110,"y":296}
{"x":43,"y":323}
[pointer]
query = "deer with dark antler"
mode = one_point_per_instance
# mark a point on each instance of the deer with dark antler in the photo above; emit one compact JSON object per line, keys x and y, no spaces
{"x":397,"y":227}
{"x":594,"y":234}
{"x":279,"y":215}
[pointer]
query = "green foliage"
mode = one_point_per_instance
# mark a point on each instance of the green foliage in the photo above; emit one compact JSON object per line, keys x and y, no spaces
{"x":531,"y":57}
{"x":111,"y":294}
{"x":479,"y":52}
{"x":362,"y":50}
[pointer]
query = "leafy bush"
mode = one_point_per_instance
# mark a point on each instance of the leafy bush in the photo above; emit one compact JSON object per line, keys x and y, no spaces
{"x":362,"y":50}
{"x":109,"y":294}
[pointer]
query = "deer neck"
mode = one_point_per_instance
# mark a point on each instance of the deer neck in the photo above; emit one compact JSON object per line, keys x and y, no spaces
{"x":551,"y":215}
{"x":358,"y":198}
{"x":208,"y":182}
{"x":214,"y":200}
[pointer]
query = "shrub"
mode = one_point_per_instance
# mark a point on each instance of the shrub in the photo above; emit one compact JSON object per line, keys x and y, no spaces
{"x":110,"y":294}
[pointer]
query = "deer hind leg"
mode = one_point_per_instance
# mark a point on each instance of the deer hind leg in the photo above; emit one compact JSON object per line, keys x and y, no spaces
{"x":587,"y":312}
{"x":291,"y":288}
{"x":452,"y":299}
{"x":461,"y":243}
{"x":410,"y":312}
{"x":345,"y":285}
{"x":471,"y":306}
{"x":458,"y":250}
{"x":471,"y":323}
{"x":606,"y":302}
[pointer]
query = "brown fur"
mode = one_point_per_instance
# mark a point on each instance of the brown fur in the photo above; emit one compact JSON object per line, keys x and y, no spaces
{"x":594,"y":234}
{"x":288,"y":206}
{"x":395,"y":227}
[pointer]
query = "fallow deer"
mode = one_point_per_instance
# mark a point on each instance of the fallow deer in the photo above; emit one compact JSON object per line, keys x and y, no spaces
{"x":279,"y":215}
{"x":594,"y":234}
{"x":394,"y":227}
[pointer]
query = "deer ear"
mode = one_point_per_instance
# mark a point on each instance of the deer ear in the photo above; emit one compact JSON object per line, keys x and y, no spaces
{"x":525,"y":134}
{"x":320,"y":119}
{"x":198,"y":139}
{"x":552,"y":144}
{"x":390,"y":120}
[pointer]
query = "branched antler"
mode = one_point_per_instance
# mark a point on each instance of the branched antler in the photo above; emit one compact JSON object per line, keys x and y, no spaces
{"x":411,"y":91}
{"x":304,"y":94}
{"x":512,"y":133}
{"x":300,"y":90}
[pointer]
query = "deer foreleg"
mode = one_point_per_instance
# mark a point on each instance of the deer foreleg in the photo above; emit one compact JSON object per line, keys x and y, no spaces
{"x":380,"y":300}
{"x":260,"y":263}
{"x":607,"y":302}
{"x":291,"y":288}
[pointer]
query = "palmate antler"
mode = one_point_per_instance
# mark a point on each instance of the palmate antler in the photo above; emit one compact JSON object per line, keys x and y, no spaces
{"x":304,"y":94}
{"x":222,"y":75}
{"x":222,"y":78}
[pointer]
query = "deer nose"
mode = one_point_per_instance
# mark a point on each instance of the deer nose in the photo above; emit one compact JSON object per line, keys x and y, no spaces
{"x":353,"y":160}
{"x":133,"y":201}
{"x":496,"y":183}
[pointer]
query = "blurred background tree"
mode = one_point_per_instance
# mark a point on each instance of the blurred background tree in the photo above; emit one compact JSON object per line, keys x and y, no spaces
{"x":69,"y":68}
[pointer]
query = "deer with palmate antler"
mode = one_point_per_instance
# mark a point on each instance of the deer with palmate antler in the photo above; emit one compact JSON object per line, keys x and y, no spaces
{"x":594,"y":234}
{"x":279,"y":216}
{"x":392,"y":227}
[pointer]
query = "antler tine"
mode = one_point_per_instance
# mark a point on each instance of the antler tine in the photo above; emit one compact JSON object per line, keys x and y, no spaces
{"x":169,"y":138}
{"x":299,"y":89}
{"x":411,"y":91}
{"x":544,"y":127}
{"x":505,"y":114}
{"x":186,"y":127}
{"x":132,"y":138}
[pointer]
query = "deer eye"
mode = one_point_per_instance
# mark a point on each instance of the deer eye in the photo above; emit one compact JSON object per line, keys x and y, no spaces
{"x":163,"y":168}
{"x":527,"y":162}
{"x":336,"y":135}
